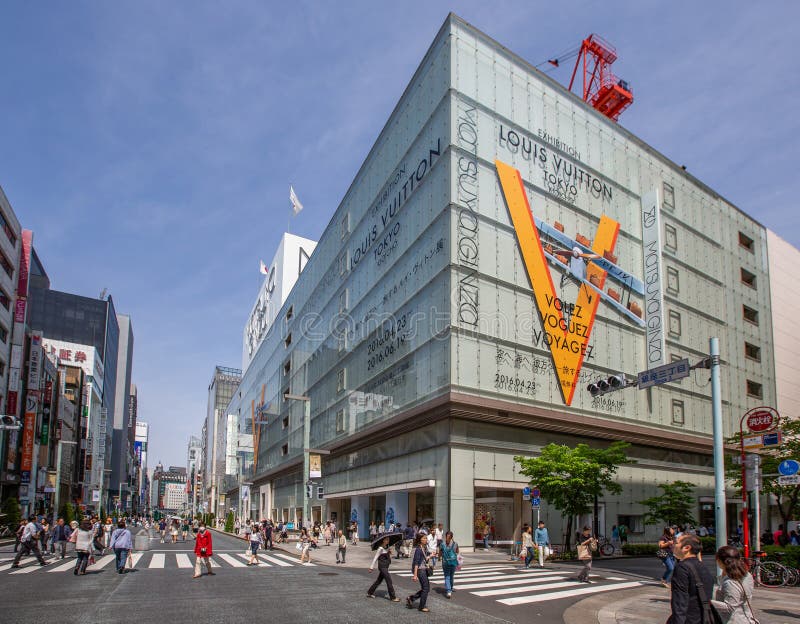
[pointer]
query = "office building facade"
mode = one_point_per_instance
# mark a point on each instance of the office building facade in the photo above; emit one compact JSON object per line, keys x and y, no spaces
{"x":221,"y":390}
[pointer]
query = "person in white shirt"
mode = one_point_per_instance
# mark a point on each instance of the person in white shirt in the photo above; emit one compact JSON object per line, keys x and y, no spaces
{"x":30,"y":542}
{"x":384,"y":560}
{"x":433,"y":545}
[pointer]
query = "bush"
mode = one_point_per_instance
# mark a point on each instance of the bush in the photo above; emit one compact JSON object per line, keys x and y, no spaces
{"x":640,"y":550}
{"x":709,"y":544}
{"x":12,"y":513}
{"x":790,"y":556}
{"x":229,"y":522}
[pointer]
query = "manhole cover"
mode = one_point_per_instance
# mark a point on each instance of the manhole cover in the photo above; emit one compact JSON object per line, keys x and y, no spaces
{"x":328,"y":573}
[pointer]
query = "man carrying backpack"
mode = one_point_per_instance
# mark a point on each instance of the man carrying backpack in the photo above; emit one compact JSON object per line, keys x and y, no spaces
{"x":30,"y":542}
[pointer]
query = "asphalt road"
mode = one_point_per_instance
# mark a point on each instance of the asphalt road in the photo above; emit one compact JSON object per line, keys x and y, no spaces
{"x":160,"y":588}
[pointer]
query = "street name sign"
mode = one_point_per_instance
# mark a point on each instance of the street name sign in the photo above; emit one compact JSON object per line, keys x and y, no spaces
{"x":765,"y":440}
{"x":789,"y":480}
{"x":664,"y":374}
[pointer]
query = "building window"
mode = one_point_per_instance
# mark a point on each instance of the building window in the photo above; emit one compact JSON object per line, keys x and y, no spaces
{"x":677,"y":412}
{"x":3,"y":334}
{"x":344,"y":225}
{"x":755,"y":390}
{"x":341,"y":421}
{"x":674,"y":323}
{"x":670,"y":237}
{"x":6,"y":265}
{"x":7,"y":229}
{"x":289,"y":313}
{"x":750,"y":315}
{"x":2,"y":368}
{"x":343,"y":301}
{"x":5,"y":300}
{"x":748,"y":278}
{"x":342,"y":342}
{"x":286,"y":391}
{"x":752,"y":352}
{"x":673,"y":285}
{"x":746,"y":242}
{"x":288,"y":341}
{"x":285,"y":450}
{"x":669,"y":197}
{"x":341,"y":380}
{"x":342,"y":262}
{"x":674,"y":357}
{"x":285,"y":422}
{"x":287,"y":367}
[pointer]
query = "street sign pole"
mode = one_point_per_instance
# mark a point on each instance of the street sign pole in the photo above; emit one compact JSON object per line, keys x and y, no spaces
{"x":721,"y":525}
{"x":757,"y":500}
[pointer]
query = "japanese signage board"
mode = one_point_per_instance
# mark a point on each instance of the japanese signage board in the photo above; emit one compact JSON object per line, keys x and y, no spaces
{"x":789,"y":480}
{"x":28,"y":427}
{"x":24,"y":265}
{"x":762,"y":419}
{"x":654,"y":297}
{"x":35,"y":359}
{"x":664,"y":374}
{"x":82,"y":356}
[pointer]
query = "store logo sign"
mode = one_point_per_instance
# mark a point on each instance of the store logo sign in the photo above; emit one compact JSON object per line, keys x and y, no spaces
{"x":568,"y":326}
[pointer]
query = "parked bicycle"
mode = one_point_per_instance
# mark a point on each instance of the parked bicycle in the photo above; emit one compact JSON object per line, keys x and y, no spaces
{"x":767,"y":573}
{"x":792,"y":574}
{"x":605,"y":547}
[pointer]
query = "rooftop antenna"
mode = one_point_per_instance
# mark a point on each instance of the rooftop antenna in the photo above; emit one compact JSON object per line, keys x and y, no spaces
{"x":103,"y":294}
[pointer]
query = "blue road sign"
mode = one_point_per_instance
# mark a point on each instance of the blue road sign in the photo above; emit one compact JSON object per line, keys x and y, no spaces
{"x":535,"y":502}
{"x":772,"y":439}
{"x":789,"y":467}
{"x":526,"y":491}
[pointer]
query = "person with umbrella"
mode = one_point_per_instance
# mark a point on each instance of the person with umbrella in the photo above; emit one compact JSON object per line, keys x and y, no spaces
{"x":382,"y":547}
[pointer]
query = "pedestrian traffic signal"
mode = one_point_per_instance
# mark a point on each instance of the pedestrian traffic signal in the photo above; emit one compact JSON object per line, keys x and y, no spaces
{"x":309,"y":491}
{"x":608,"y":384}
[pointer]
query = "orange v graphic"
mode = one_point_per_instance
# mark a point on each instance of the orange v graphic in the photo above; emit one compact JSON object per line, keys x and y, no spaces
{"x":566,"y":339}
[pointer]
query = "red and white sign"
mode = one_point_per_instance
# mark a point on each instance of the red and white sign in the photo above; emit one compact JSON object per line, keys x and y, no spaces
{"x":762,"y":419}
{"x":24,"y":264}
{"x":19,"y":310}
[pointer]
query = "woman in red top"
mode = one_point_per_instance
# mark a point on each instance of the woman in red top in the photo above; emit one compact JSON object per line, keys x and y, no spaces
{"x":202,"y":549}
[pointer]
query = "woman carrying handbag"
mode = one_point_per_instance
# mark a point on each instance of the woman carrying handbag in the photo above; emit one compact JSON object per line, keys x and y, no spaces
{"x":734,"y":588}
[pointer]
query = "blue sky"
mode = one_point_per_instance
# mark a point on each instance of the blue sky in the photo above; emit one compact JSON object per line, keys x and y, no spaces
{"x":150,"y":145}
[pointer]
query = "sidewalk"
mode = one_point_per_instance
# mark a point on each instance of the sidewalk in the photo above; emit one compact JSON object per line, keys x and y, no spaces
{"x":650,"y":605}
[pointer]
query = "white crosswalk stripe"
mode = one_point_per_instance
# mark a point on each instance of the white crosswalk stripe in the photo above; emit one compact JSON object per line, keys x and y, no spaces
{"x":504,"y":582}
{"x":183,"y":561}
{"x":159,"y":561}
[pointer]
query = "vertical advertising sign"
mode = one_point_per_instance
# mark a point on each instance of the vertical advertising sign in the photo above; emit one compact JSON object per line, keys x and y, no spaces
{"x":35,"y":369}
{"x":653,"y":295}
{"x":46,"y":404}
{"x":315,"y":466}
{"x":29,"y":425}
{"x":25,"y":264}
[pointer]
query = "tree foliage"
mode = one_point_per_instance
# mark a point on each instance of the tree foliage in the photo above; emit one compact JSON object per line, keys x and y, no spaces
{"x":570,"y":478}
{"x":12,"y":514}
{"x":68,"y":512}
{"x":673,"y":506}
{"x":229,"y":522}
{"x":787,"y":496}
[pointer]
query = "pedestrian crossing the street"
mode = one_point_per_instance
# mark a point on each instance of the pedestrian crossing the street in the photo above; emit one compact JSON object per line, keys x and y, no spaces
{"x":153,"y":561}
{"x":511,"y":585}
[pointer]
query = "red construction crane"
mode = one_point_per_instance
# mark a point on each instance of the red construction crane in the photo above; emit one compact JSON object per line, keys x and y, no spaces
{"x":601,"y":88}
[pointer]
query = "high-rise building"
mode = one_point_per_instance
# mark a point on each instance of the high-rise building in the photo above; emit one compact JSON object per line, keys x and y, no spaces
{"x":85,"y":331}
{"x":194,"y":467}
{"x":121,"y":448}
{"x":140,"y":450}
{"x":220,"y":392}
{"x":503,"y":246}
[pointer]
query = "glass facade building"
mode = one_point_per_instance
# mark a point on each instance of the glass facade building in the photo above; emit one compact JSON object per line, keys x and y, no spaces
{"x":502,"y":246}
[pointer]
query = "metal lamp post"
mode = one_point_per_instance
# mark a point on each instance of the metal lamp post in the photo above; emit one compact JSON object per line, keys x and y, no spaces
{"x":58,"y":477}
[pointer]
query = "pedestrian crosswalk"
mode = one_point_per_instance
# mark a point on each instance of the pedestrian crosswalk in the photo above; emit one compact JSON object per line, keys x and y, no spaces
{"x":153,"y":561}
{"x":511,"y":585}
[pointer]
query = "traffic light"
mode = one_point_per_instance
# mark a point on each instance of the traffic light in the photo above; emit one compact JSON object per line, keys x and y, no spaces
{"x":9,"y":422}
{"x":608,"y":384}
{"x":309,"y":491}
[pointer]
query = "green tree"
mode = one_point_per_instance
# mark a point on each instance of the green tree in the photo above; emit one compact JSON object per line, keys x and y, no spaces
{"x":11,"y":513}
{"x":68,"y":512}
{"x":673,"y":506}
{"x":786,"y":496}
{"x":229,"y":522}
{"x":570,"y":478}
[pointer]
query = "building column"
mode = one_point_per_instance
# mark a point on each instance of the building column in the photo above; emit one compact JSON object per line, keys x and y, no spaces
{"x":397,"y":502}
{"x":462,"y":499}
{"x":359,"y":511}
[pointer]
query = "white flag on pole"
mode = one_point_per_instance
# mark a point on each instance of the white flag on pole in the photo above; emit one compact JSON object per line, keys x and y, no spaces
{"x":263,"y":267}
{"x":296,"y":205}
